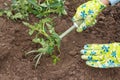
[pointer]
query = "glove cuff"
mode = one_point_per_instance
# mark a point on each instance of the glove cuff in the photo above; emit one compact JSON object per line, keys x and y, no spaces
{"x":101,"y":3}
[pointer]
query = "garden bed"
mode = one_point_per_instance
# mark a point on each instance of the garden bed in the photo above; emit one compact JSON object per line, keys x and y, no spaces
{"x":15,"y":42}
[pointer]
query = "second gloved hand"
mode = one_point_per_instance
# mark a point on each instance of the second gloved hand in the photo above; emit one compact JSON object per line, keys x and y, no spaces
{"x":102,"y":55}
{"x":86,"y":14}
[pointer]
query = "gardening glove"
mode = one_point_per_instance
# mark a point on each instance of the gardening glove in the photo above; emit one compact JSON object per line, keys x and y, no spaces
{"x":102,"y":55}
{"x":86,"y":14}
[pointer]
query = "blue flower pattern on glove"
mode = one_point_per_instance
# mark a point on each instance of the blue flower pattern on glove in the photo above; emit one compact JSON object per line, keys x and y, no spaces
{"x":93,"y":53}
{"x":84,"y":51}
{"x":90,"y":12}
{"x":89,"y":58}
{"x":110,"y":62}
{"x":103,"y":66}
{"x":83,"y":14}
{"x":105,"y":48}
{"x":114,"y":54}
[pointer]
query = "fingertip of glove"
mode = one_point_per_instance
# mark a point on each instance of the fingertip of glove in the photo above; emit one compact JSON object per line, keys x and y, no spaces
{"x":79,"y":30}
{"x":90,"y":63}
{"x":84,"y":57}
{"x":83,"y":51}
{"x":86,"y":46}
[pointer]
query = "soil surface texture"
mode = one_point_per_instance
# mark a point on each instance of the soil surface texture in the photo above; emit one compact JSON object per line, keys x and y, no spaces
{"x":15,"y":42}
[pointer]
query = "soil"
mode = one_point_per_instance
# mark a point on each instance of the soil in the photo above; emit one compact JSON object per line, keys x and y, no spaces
{"x":15,"y":41}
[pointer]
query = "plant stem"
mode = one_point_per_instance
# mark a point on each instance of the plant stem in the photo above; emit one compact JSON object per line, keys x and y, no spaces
{"x":39,"y":57}
{"x":33,"y":51}
{"x":67,"y":31}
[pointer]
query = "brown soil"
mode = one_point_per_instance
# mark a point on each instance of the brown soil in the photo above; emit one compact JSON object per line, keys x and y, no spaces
{"x":15,"y":41}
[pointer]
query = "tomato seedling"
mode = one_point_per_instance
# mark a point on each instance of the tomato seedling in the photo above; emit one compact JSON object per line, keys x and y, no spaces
{"x":45,"y":34}
{"x":20,"y":9}
{"x":49,"y":40}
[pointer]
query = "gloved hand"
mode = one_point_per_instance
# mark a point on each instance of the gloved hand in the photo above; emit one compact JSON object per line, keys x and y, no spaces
{"x":102,"y":55}
{"x":86,"y":14}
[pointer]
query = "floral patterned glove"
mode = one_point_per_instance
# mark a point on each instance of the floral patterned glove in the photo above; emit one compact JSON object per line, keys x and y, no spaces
{"x":86,"y":14}
{"x":102,"y":55}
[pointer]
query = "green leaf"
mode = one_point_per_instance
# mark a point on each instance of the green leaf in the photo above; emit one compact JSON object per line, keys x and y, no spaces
{"x":55,"y":59}
{"x":36,"y":40}
{"x":8,"y":13}
{"x":14,"y":1}
{"x":18,"y":16}
{"x":34,"y":2}
{"x":31,"y":31}
{"x":43,"y":5}
{"x":1,"y":12}
{"x":26,"y":24}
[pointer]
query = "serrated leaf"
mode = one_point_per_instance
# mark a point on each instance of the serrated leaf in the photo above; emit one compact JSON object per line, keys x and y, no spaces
{"x":8,"y":13}
{"x":31,"y":31}
{"x":18,"y":16}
